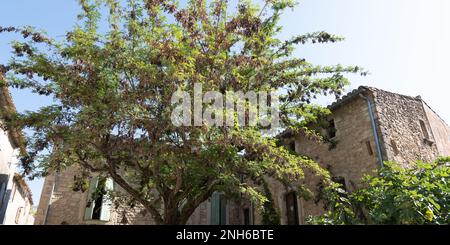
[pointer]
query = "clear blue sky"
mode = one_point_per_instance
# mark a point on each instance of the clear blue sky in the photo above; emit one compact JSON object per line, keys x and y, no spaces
{"x":405,"y":44}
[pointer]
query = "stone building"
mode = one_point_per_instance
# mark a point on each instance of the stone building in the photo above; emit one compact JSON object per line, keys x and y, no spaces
{"x":368,"y":126}
{"x":59,"y":204}
{"x":15,"y":196}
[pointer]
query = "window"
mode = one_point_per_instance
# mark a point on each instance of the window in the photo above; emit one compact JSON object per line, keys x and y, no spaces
{"x":331,"y":130}
{"x":340,"y":180}
{"x":426,"y":134}
{"x":291,"y":208}
{"x":394,"y":148}
{"x":424,"y":129}
{"x":369,"y":148}
{"x":292,"y":146}
{"x":218,"y":209}
{"x":247,"y":216}
{"x":98,"y":205}
{"x":3,"y":184}
{"x":98,"y":202}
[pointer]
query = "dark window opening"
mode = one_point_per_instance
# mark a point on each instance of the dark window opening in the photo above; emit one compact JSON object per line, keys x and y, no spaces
{"x":340,"y":180}
{"x":292,"y":146}
{"x":331,"y":130}
{"x":3,"y":185}
{"x":369,"y":148}
{"x":124,"y":219}
{"x":246,"y":216}
{"x":98,"y":205}
{"x":291,"y":208}
{"x":394,"y":148}
{"x":96,"y":213}
{"x":424,"y":129}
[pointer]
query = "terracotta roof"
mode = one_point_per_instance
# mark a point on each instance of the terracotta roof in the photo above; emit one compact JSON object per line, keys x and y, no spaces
{"x":343,"y":100}
{"x":349,"y":97}
{"x":24,"y":186}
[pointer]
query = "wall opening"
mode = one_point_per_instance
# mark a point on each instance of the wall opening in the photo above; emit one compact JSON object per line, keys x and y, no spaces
{"x":292,"y":146}
{"x":369,"y":148}
{"x":246,"y":216}
{"x":394,"y":148}
{"x":98,"y":205}
{"x":331,"y":130}
{"x":340,"y":180}
{"x":98,"y":202}
{"x":424,"y":129}
{"x":291,"y":209}
{"x":3,"y":185}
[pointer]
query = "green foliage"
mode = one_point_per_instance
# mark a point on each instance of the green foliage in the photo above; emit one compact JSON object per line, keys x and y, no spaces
{"x":270,"y":216}
{"x":81,"y":182}
{"x":112,"y":85}
{"x":419,"y":194}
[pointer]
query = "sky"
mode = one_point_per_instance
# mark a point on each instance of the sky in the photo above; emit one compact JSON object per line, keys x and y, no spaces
{"x":404,"y":44}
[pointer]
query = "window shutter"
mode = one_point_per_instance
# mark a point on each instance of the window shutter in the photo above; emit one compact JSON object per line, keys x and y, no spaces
{"x":215,"y":208}
{"x":223,"y":210}
{"x":90,"y":203}
{"x":2,"y":192}
{"x":218,"y":209}
{"x":106,"y":203}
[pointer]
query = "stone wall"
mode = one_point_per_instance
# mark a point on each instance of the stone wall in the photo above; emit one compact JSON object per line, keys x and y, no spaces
{"x":407,"y":128}
{"x":44,"y":200}
{"x":404,"y":139}
{"x":353,"y":156}
{"x":59,"y":204}
{"x":440,"y":131}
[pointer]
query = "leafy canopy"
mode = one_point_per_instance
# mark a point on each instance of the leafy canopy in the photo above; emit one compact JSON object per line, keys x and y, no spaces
{"x":397,"y":195}
{"x":112,"y":77}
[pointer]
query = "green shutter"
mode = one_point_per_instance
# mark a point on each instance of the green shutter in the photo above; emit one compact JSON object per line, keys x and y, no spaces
{"x":223,"y":210}
{"x":90,"y":203}
{"x":218,"y":209}
{"x":105,"y":214}
{"x":215,"y":208}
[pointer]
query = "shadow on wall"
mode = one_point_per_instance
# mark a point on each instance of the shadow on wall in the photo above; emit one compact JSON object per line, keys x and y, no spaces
{"x":4,"y":195}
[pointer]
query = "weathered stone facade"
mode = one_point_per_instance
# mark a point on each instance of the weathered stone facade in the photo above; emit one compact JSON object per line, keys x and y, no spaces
{"x":371,"y":126}
{"x":59,"y":204}
{"x":405,"y":128}
{"x":400,"y":119}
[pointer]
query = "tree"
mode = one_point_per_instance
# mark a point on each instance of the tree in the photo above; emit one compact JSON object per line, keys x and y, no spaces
{"x":416,"y":195}
{"x":113,"y":84}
